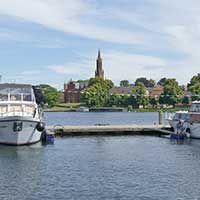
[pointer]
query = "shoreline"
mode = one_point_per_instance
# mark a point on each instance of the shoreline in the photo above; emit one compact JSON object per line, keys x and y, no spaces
{"x":118,"y":110}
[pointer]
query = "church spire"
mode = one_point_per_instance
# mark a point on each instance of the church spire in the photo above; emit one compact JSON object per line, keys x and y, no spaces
{"x":99,"y":53}
{"x":99,"y":66}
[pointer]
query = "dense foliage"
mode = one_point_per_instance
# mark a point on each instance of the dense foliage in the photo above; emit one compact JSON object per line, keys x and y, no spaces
{"x":194,"y":87}
{"x":97,"y":94}
{"x":172,"y":92}
{"x":50,"y":95}
{"x":147,"y":83}
{"x":124,"y":83}
{"x":139,"y":92}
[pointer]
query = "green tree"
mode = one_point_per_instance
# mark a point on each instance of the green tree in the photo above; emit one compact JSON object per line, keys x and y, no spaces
{"x":124,"y":83}
{"x":139,"y":92}
{"x":162,"y":81}
{"x":114,"y":100}
{"x":185,"y":100}
{"x":172,"y":92}
{"x":50,"y":94}
{"x":153,"y":102}
{"x":97,"y":94}
{"x":147,"y":83}
{"x":194,"y":87}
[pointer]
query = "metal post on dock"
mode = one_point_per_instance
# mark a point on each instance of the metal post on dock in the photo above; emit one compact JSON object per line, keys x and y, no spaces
{"x":160,"y":117}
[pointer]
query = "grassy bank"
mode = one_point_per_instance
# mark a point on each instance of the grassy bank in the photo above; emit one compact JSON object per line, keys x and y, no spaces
{"x":71,"y":107}
{"x":157,"y":110}
{"x":64,"y":107}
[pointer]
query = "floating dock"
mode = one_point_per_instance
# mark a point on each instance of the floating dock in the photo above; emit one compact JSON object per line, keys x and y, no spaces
{"x":111,"y":130}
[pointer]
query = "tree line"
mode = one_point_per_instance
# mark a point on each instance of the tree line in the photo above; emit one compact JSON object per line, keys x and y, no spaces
{"x":97,"y":93}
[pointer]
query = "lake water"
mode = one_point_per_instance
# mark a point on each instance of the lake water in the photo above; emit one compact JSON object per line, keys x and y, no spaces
{"x":91,"y":118}
{"x":98,"y":168}
{"x":88,"y":168}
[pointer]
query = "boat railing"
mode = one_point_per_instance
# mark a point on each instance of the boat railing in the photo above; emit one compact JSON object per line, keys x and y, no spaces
{"x":17,"y":109}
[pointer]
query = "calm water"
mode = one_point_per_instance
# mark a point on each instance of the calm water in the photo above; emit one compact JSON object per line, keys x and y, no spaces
{"x":75,"y":118}
{"x":98,"y":168}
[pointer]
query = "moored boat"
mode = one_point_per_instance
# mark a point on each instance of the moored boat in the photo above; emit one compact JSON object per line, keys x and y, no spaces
{"x":176,"y":117}
{"x":20,"y":116}
{"x":194,"y":120}
{"x":190,"y":120}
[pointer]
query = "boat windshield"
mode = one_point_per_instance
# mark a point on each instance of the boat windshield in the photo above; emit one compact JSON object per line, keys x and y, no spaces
{"x":15,"y":93}
{"x":181,"y":116}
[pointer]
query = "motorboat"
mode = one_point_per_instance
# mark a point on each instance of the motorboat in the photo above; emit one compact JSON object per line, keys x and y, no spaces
{"x":20,"y":116}
{"x":194,"y":120}
{"x":176,"y":117}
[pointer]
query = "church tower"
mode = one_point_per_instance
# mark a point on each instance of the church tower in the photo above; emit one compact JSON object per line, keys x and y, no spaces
{"x":99,"y":67}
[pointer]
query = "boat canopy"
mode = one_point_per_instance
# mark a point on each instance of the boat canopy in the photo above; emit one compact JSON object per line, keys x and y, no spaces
{"x":16,"y":92}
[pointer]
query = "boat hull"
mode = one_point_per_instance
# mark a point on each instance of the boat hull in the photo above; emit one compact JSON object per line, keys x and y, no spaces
{"x":195,"y":130}
{"x":19,"y":131}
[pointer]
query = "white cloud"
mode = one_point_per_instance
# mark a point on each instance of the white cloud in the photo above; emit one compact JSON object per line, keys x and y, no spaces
{"x":117,"y":66}
{"x":70,"y":17}
{"x":171,"y":27}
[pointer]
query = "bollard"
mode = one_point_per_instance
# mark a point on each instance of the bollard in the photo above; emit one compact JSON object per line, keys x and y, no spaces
{"x":160,"y":117}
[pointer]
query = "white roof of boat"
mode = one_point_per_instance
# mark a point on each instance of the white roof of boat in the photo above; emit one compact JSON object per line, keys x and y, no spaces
{"x":181,"y":111}
{"x":196,"y":102}
{"x":14,"y":85}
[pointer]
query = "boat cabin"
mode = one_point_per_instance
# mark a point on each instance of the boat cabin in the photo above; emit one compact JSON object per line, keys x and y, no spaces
{"x":16,"y":99}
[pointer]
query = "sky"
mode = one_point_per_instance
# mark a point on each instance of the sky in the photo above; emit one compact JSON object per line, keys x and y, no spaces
{"x":53,"y":41}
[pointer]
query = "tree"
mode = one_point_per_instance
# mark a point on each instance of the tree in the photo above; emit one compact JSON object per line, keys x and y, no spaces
{"x":172,"y":92}
{"x":124,"y":83}
{"x":50,"y":94}
{"x":162,"y":81}
{"x":147,"y":83}
{"x":185,"y":100}
{"x":97,"y":94}
{"x":153,"y":102}
{"x":194,"y":87}
{"x":139,"y":92}
{"x":114,"y":100}
{"x":194,"y":80}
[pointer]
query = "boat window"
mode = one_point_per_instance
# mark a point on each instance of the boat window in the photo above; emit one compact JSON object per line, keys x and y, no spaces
{"x":27,"y":97}
{"x":3,"y":109}
{"x":16,"y":90}
{"x":3,"y":97}
{"x":15,"y":97}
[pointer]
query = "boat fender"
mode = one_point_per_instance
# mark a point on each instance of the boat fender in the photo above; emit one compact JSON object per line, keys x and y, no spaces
{"x":40,"y":126}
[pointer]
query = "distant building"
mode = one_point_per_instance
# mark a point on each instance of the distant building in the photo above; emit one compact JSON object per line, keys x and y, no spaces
{"x":121,"y":90}
{"x":155,"y":92}
{"x":99,"y":67}
{"x":72,"y":89}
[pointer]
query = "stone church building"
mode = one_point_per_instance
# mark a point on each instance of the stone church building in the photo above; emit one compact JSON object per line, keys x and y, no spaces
{"x":72,"y":89}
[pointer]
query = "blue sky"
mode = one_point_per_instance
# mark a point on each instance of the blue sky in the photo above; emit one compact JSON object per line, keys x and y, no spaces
{"x":52,"y":41}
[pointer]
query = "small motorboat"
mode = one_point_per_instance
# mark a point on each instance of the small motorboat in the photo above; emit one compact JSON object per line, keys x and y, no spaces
{"x":180,"y":132}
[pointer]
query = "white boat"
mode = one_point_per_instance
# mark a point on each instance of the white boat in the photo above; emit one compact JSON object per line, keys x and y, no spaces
{"x":82,"y":109}
{"x":20,"y":117}
{"x":194,"y":121}
{"x":174,"y":118}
